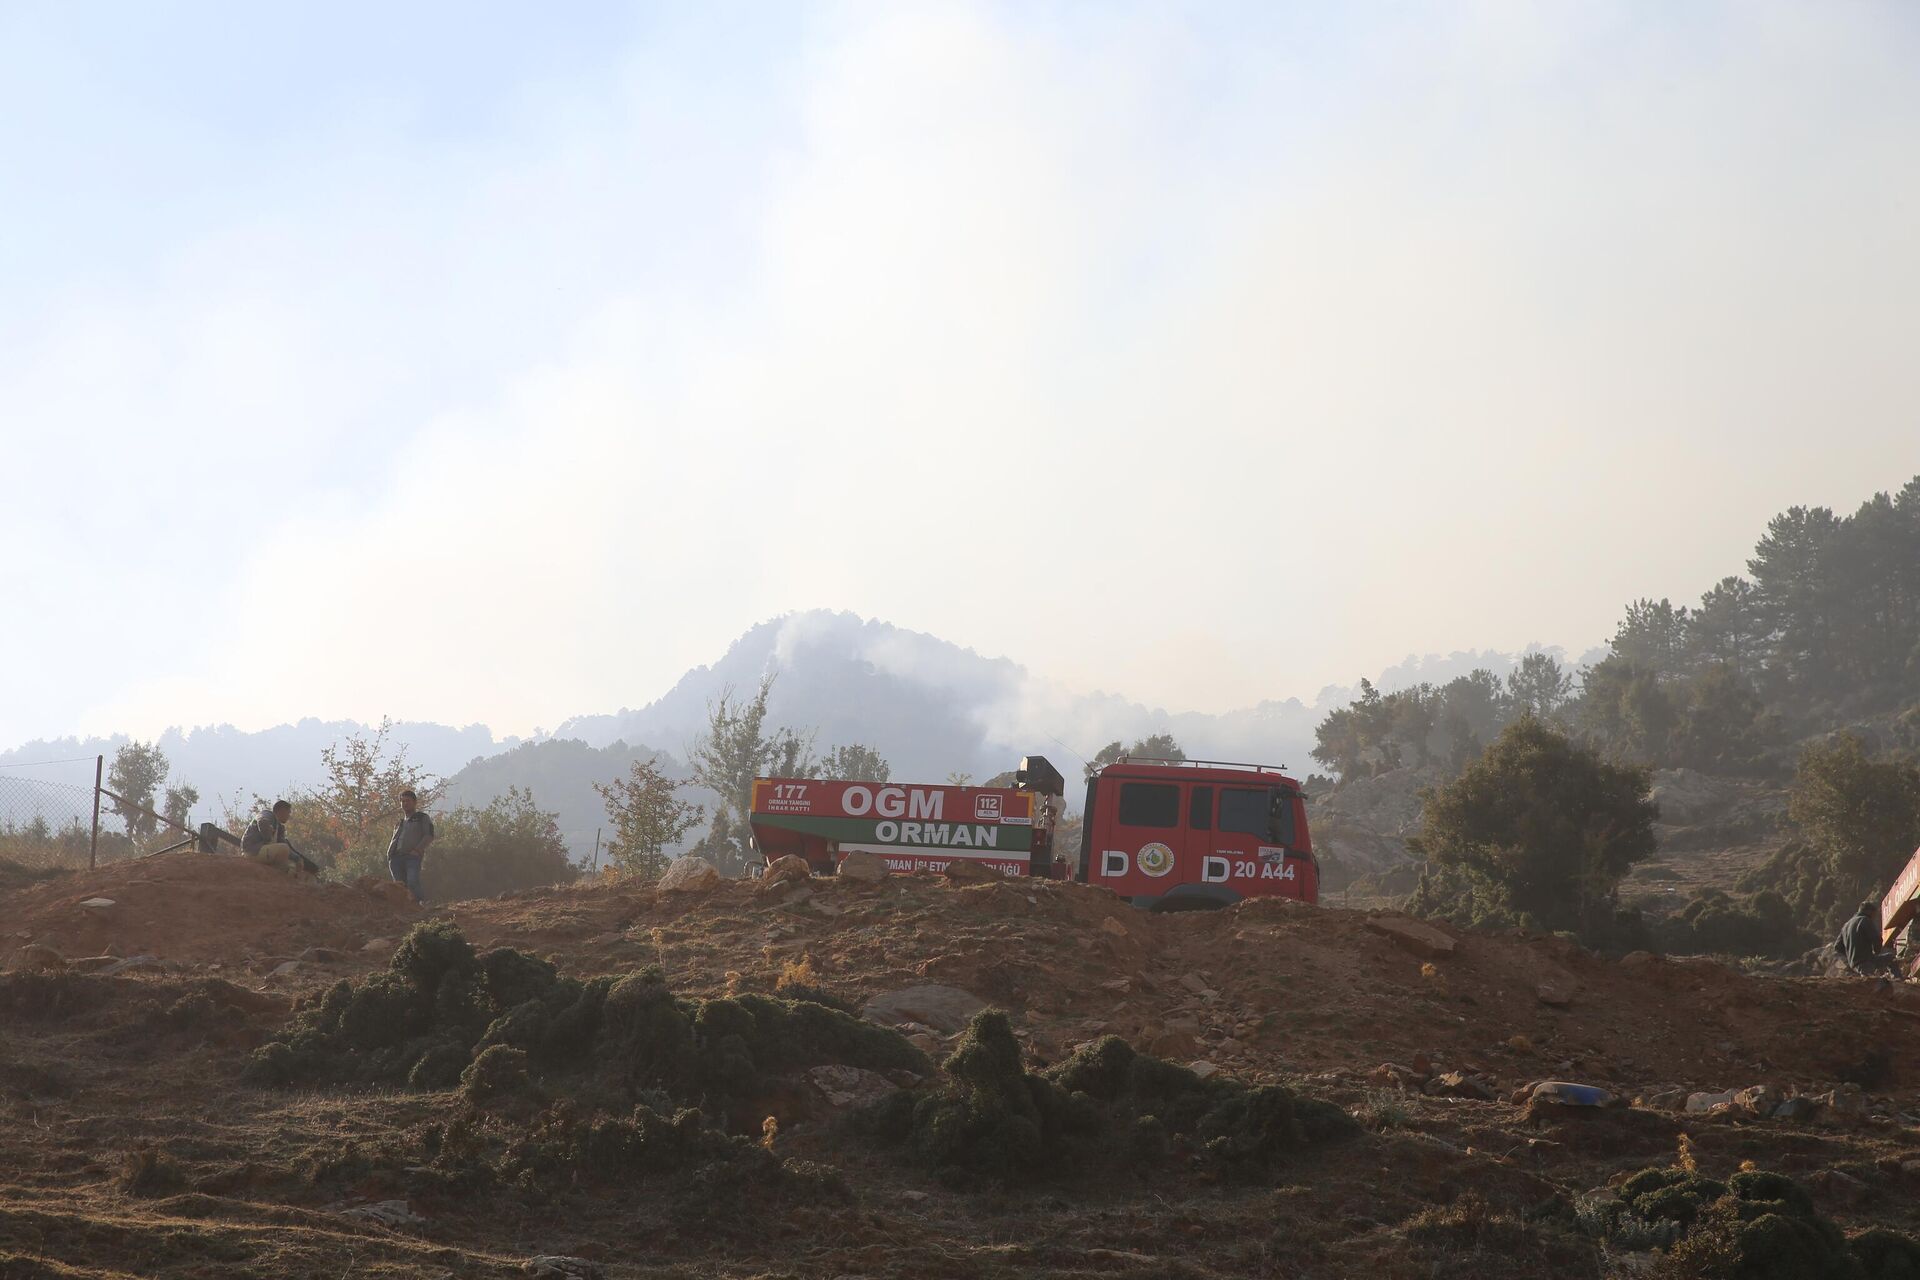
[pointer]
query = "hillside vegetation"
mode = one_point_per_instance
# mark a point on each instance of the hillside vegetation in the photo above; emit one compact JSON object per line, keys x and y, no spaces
{"x":1792,"y":691}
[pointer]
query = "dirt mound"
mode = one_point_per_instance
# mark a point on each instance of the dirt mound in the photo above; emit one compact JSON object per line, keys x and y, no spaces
{"x":1265,"y":988}
{"x":1259,"y":1035}
{"x":196,"y":908}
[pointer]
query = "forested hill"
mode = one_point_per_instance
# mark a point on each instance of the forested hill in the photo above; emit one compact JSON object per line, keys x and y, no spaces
{"x":1776,"y":724}
{"x":1821,"y":633}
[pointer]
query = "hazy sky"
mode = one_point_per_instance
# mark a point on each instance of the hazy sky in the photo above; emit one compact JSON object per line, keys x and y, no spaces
{"x":459,"y":362}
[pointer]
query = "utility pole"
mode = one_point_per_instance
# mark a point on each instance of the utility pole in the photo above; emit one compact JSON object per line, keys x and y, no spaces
{"x":596,"y":848}
{"x":99,"y":775}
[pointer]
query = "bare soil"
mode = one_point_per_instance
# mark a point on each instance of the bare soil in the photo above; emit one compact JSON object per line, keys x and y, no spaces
{"x":102,"y":1078}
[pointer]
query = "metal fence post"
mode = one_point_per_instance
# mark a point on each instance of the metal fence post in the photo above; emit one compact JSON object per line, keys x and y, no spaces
{"x":93,"y":848}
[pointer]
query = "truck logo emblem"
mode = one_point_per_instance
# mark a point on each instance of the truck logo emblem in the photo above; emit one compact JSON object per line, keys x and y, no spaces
{"x":1113,"y":862}
{"x":986,"y":808}
{"x":1155,"y":859}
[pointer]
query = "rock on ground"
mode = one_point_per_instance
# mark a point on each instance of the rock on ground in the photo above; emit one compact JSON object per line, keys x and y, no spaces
{"x":970,"y":871}
{"x":1421,"y":939}
{"x":861,"y":865}
{"x":689,"y":872}
{"x":1556,"y":989}
{"x":790,"y":868}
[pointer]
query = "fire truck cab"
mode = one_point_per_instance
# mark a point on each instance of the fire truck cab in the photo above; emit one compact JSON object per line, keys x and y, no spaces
{"x":1173,"y":835}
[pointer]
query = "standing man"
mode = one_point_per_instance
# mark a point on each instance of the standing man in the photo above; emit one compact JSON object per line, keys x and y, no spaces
{"x":409,"y":845}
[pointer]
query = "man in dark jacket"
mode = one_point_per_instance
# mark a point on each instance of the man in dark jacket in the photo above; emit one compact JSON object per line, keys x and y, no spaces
{"x":1859,"y":940}
{"x":409,"y":845}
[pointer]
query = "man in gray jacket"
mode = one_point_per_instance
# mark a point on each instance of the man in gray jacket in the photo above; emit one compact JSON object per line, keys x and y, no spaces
{"x":409,"y":844}
{"x":269,"y":828}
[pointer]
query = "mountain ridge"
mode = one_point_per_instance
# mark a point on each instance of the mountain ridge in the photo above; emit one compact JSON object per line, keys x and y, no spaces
{"x":930,"y":707}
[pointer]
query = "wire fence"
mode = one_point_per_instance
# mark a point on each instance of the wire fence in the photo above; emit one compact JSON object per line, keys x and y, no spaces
{"x":46,"y":813}
{"x":52,"y":816}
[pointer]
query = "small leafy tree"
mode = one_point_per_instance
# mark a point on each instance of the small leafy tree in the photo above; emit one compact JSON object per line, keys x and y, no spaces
{"x":647,"y":816}
{"x":509,"y":844}
{"x":345,"y":823}
{"x":1338,"y":742}
{"x":737,"y":748}
{"x":136,"y":775}
{"x":179,"y":804}
{"x":1546,"y":825}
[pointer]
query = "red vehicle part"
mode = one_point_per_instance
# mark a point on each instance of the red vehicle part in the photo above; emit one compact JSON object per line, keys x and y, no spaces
{"x":1168,"y":835}
{"x":915,"y":828}
{"x":1902,"y":903}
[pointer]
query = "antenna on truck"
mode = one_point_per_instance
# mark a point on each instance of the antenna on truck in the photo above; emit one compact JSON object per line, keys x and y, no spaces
{"x":1064,"y":747}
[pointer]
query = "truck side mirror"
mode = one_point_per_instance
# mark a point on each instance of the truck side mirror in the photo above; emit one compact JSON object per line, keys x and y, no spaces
{"x":1036,"y":773}
{"x":1280,"y":829}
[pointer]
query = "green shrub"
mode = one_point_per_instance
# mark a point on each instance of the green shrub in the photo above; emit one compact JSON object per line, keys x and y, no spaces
{"x":1714,"y":923}
{"x":438,"y":1006}
{"x":499,"y":1073}
{"x":1105,"y":1106}
{"x":1755,"y":1226}
{"x":503,"y":1026}
{"x":1886,"y":1255}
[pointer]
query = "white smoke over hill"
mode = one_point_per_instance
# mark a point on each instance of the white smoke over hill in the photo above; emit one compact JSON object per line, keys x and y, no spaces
{"x":931,"y":708}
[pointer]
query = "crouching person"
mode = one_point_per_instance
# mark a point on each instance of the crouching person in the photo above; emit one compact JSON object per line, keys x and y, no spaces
{"x":266,"y":837}
{"x":408,"y":848}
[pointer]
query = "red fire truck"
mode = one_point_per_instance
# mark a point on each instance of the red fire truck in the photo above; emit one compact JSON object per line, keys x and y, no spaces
{"x":1164,"y":834}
